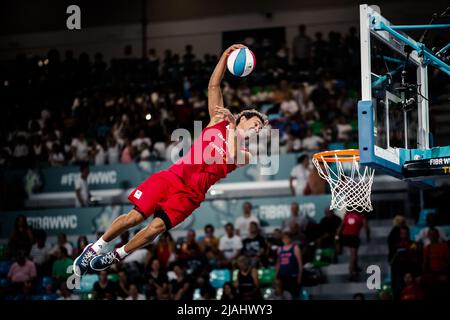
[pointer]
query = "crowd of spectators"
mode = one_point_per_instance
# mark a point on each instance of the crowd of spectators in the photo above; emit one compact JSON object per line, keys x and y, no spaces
{"x":185,"y":268}
{"x":420,"y":265}
{"x":172,"y":269}
{"x":75,"y":110}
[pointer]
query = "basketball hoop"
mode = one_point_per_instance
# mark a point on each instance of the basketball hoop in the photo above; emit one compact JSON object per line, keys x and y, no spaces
{"x":350,"y":185}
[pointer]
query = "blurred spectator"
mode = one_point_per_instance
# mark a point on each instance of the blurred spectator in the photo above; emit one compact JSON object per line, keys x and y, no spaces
{"x":56,"y":156}
{"x":394,"y":235}
{"x":61,"y":265}
{"x":299,"y":225}
{"x":62,"y":242}
{"x":134,"y":293}
{"x":254,"y":247}
{"x":247,"y":282}
{"x":22,"y":270}
{"x":157,"y":280}
{"x":189,"y":249}
{"x":411,"y":290}
{"x":181,"y":287}
{"x":436,"y":265}
{"x":312,"y":142}
{"x":344,"y":129}
{"x":228,"y":293}
{"x":359,"y":296}
{"x":104,"y":289}
{"x":123,"y":285}
{"x":141,"y":139}
{"x":82,"y":193}
{"x":328,"y":227}
{"x":113,"y":152}
{"x":82,"y":242}
{"x":405,"y":258}
{"x":274,"y":242}
{"x":230,"y":244}
{"x":80,"y":149}
{"x":242,"y":223}
{"x":127,"y":155}
{"x":301,"y":48}
{"x":348,"y":236}
{"x":422,"y":236}
{"x":21,"y":238}
{"x":209,"y":240}
{"x":299,"y":174}
{"x":40,"y":252}
{"x":65,"y":294}
{"x":289,"y":265}
{"x":278,"y":292}
{"x":98,"y":154}
{"x":165,"y":249}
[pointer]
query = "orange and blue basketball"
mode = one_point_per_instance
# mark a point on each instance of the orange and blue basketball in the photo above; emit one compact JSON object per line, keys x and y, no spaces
{"x":241,"y":62}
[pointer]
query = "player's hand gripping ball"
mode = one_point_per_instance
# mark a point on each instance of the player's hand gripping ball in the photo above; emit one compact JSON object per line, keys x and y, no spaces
{"x":241,"y":62}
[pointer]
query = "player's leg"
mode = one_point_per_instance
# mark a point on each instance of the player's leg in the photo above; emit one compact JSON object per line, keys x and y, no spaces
{"x":141,"y":239}
{"x":122,"y":224}
{"x":119,"y":225}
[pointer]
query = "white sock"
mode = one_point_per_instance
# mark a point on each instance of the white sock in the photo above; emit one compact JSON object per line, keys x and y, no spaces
{"x":100,"y":246}
{"x":121,"y":252}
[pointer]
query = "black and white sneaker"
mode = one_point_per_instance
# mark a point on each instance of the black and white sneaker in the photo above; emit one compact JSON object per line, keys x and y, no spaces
{"x":81,"y":263}
{"x":102,"y":262}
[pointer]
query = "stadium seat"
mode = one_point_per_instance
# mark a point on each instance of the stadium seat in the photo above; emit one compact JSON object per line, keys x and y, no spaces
{"x":304,"y":295}
{"x":316,"y":127}
{"x":218,"y":277}
{"x":114,"y":277}
{"x":4,"y":268}
{"x":46,"y":281}
{"x":323,"y":257}
{"x":87,"y":283}
{"x":266,"y":276}
{"x":4,"y":283}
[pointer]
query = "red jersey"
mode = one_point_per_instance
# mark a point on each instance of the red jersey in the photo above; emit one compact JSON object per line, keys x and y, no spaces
{"x":205,"y":163}
{"x":353,"y":222}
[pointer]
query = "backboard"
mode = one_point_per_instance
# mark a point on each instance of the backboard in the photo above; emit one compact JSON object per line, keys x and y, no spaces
{"x":393,"y":117}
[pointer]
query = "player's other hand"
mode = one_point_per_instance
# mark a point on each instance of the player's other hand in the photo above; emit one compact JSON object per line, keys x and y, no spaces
{"x":224,"y":113}
{"x":233,"y":47}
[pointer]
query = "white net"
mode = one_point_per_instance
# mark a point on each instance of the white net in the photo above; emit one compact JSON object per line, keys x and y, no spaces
{"x":351,"y":186}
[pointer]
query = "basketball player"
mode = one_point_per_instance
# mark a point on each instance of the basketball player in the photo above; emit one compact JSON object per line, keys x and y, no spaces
{"x":172,"y":195}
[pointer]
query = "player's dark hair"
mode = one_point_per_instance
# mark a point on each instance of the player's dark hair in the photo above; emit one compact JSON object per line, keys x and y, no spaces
{"x":84,"y":165}
{"x":302,"y":158}
{"x":229,"y":224}
{"x":247,"y":114}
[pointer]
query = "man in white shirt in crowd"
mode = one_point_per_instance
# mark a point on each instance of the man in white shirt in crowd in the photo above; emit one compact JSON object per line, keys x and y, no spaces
{"x":137,"y":143}
{"x":230,"y":244}
{"x":82,"y":193}
{"x":99,"y":154}
{"x":300,"y":173}
{"x":311,"y":142}
{"x":80,"y":149}
{"x":62,"y":242}
{"x":422,"y":236}
{"x":40,"y":251}
{"x":242,"y":224}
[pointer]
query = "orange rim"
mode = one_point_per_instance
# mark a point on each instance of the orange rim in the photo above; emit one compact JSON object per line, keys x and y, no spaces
{"x":337,"y":155}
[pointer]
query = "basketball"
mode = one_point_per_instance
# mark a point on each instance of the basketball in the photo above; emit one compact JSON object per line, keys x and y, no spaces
{"x":241,"y":62}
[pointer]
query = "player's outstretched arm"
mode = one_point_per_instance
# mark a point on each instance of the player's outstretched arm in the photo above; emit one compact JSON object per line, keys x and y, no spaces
{"x":215,"y":97}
